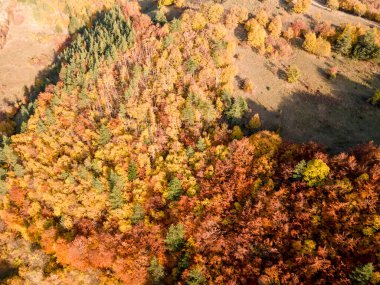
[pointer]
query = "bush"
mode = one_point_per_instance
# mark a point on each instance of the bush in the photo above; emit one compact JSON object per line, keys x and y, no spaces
{"x":237,"y":133}
{"x":248,"y":85}
{"x":293,"y":74}
{"x":255,"y":122}
{"x":375,"y":99}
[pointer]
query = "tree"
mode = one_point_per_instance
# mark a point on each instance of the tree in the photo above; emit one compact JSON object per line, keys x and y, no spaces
{"x":362,"y":274}
{"x":132,"y":171}
{"x":366,"y":47}
{"x":116,"y":187}
{"x":175,"y":238}
{"x":343,"y":43}
{"x":315,"y":172}
{"x":310,"y":43}
{"x":156,"y":272}
{"x":175,"y":189}
{"x":262,"y":18}
{"x":237,"y":109}
{"x":237,"y":133}
{"x":196,"y":277}
{"x":302,"y":6}
{"x":275,"y":27}
{"x":256,"y":33}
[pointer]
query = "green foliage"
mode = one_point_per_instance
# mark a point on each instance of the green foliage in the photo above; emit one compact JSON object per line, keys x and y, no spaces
{"x":174,"y":190}
{"x":138,"y":214}
{"x":175,"y":238}
{"x":299,"y":170}
{"x":366,"y":47}
{"x":375,"y":99}
{"x":201,"y":144}
{"x":237,"y":133}
{"x":132,"y":171}
{"x":196,"y":277}
{"x":344,"y":42}
{"x":110,"y":33}
{"x":237,"y":109}
{"x":156,"y":272}
{"x":362,"y":274}
{"x":160,"y":17}
{"x":190,"y":152}
{"x":116,"y":190}
{"x":105,"y":135}
{"x":315,"y":172}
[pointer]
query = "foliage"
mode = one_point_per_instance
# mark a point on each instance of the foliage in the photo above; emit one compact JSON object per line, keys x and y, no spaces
{"x":237,"y":109}
{"x":375,"y":99}
{"x":362,"y":274}
{"x":367,"y":46}
{"x":175,"y":238}
{"x":156,"y":271}
{"x":315,"y":172}
{"x":293,"y":74}
{"x":128,"y":174}
{"x":302,"y":6}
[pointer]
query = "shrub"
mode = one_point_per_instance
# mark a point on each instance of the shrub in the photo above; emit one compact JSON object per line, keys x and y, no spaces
{"x":175,"y":238}
{"x":293,"y":74}
{"x":255,"y":122}
{"x":375,"y":99}
{"x":248,"y":85}
{"x":315,"y":172}
{"x":332,"y":72}
{"x":237,"y":133}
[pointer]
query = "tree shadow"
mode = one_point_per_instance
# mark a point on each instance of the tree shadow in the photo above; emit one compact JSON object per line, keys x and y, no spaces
{"x":6,"y":270}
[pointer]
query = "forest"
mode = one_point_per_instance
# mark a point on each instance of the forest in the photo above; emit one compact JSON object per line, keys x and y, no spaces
{"x":137,"y":164}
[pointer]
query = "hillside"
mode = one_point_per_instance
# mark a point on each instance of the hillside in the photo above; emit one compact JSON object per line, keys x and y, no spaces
{"x":170,"y":146}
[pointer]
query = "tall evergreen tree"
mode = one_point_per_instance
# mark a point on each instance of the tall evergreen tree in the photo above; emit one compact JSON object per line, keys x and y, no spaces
{"x":366,"y":47}
{"x":344,"y":43}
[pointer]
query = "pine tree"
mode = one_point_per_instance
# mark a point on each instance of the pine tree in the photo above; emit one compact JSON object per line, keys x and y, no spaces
{"x":174,"y":190}
{"x":344,"y":42}
{"x":132,"y":171}
{"x":201,"y":145}
{"x":104,"y":135}
{"x":156,"y":271}
{"x":175,"y":238}
{"x":366,"y":47}
{"x":237,"y":110}
{"x":116,"y":188}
